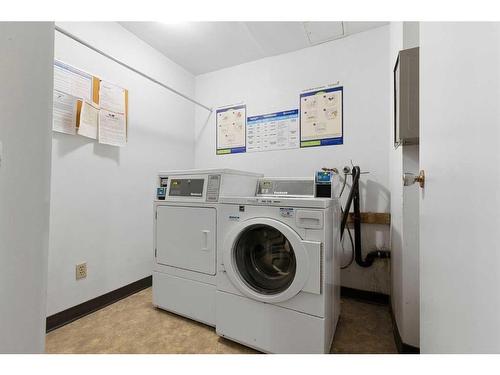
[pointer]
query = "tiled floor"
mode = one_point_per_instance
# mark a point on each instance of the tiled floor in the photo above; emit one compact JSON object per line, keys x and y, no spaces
{"x":133,"y":325}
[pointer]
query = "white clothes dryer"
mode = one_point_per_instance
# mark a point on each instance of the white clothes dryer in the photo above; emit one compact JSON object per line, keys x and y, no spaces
{"x":185,"y":242}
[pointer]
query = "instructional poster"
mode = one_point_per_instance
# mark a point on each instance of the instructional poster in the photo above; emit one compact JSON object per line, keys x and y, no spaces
{"x":274,"y":131}
{"x":231,"y":130}
{"x":321,"y":122}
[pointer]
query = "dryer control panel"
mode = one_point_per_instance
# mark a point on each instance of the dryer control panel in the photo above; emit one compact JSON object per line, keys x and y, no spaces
{"x":196,"y":188}
{"x":207,"y":185}
{"x":213,"y":188}
{"x":186,"y":187}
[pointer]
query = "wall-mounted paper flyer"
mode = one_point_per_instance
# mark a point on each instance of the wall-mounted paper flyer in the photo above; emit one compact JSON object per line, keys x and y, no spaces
{"x":72,"y":81}
{"x":64,"y":113}
{"x":89,"y":120}
{"x":112,"y":97}
{"x":321,"y":117}
{"x":112,"y":128}
{"x":70,"y":85}
{"x":274,"y":131}
{"x":231,"y":130}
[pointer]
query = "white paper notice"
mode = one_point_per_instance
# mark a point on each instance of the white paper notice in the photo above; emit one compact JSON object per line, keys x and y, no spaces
{"x":89,"y":120}
{"x":72,"y":81}
{"x":112,"y":97}
{"x":64,"y":113}
{"x":112,"y":128}
{"x":274,"y":131}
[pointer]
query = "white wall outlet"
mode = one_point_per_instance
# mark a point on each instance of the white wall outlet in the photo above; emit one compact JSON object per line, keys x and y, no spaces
{"x":81,"y":271}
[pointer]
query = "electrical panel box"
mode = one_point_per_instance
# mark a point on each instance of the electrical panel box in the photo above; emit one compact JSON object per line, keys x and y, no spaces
{"x":406,"y":98}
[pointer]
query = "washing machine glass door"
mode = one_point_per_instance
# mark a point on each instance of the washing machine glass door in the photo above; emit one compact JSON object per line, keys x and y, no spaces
{"x":266,"y":260}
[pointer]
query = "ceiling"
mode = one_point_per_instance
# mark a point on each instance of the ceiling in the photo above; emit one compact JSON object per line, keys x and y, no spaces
{"x":202,"y":47}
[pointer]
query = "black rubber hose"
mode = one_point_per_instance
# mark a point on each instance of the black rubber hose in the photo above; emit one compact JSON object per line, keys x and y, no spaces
{"x":355,"y":181}
{"x":354,"y":199}
{"x":357,"y":222}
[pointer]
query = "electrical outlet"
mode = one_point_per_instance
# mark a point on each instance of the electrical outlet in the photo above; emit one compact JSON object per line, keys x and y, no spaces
{"x":81,"y":271}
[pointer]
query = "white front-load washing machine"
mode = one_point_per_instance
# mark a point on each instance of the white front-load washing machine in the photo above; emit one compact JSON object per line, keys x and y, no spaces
{"x":278,"y":279}
{"x":185,"y":242}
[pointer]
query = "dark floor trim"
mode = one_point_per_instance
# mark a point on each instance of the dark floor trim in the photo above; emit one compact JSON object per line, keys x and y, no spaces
{"x":76,"y":312}
{"x":400,"y":345}
{"x":364,"y":295}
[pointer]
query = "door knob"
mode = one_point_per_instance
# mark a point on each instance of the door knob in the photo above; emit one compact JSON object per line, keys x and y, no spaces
{"x":410,"y":179}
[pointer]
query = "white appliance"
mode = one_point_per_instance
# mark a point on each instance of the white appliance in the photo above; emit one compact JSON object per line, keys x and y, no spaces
{"x":278,"y":280}
{"x":185,"y":243}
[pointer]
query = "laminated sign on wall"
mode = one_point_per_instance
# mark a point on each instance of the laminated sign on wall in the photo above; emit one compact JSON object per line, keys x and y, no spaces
{"x":321,"y":122}
{"x":274,"y":131}
{"x":231,"y":130}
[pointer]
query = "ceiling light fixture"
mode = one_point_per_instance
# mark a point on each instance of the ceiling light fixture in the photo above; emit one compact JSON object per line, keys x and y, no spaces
{"x":173,"y":23}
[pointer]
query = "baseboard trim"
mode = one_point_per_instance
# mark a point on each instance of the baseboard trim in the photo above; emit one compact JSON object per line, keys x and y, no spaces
{"x":76,"y":312}
{"x":364,"y":295}
{"x":400,"y":345}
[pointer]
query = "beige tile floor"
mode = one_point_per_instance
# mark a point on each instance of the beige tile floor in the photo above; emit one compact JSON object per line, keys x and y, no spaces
{"x":133,"y":325}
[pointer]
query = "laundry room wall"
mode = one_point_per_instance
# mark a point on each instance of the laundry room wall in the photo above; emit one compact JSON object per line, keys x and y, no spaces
{"x":360,"y":63}
{"x":459,"y":221}
{"x":25,"y":123}
{"x":405,"y":286}
{"x":101,"y":199}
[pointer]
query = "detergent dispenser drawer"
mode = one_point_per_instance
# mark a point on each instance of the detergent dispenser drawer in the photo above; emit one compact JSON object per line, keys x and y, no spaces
{"x":185,"y":238}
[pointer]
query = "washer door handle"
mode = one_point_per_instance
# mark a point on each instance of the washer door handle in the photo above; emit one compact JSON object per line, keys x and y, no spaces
{"x":204,"y":234}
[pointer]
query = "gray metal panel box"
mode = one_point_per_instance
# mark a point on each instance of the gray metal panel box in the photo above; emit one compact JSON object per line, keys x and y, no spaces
{"x":406,"y":98}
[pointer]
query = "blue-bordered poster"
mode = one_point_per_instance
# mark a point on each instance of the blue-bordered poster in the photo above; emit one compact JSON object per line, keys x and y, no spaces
{"x":321,"y":117}
{"x":273,"y":131}
{"x":231,"y":130}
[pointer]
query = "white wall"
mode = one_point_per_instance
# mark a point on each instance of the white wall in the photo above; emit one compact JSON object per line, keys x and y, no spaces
{"x":101,"y":211}
{"x":411,"y":223}
{"x":459,"y":151}
{"x":404,"y":209}
{"x":396,"y":188}
{"x":26,"y":70}
{"x":410,"y":302}
{"x":360,"y":63}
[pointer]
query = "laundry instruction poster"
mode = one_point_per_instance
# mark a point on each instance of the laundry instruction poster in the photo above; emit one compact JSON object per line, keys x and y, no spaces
{"x":321,"y":117}
{"x":273,"y":131}
{"x":231,"y":130}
